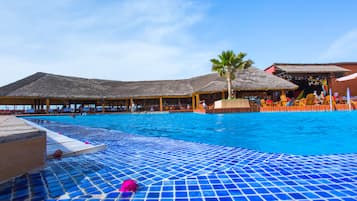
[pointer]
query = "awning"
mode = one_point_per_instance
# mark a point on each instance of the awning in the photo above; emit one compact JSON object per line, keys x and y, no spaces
{"x":348,"y":77}
{"x":311,"y":68}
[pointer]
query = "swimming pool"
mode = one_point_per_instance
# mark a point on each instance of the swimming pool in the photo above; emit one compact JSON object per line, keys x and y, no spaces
{"x":310,"y":133}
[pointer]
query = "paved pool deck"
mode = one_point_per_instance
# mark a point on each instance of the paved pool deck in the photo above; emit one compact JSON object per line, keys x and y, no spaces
{"x":22,"y":147}
{"x":12,"y":128}
{"x":169,"y":169}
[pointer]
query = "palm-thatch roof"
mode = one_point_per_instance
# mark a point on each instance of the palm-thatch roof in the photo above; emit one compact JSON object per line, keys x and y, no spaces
{"x":44,"y":85}
{"x":310,"y":68}
{"x":251,"y":79}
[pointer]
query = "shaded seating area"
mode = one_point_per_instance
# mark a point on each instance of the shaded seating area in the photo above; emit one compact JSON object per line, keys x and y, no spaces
{"x":311,"y":102}
{"x":43,"y":93}
{"x":312,"y":94}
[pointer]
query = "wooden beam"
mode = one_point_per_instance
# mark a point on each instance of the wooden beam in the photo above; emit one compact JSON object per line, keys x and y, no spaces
{"x":103,"y":106}
{"x":197,"y":101}
{"x":126,"y":105}
{"x":131,"y":105}
{"x":193,"y":102}
{"x":47,"y":105}
{"x":223,"y":95}
{"x":161,"y":108}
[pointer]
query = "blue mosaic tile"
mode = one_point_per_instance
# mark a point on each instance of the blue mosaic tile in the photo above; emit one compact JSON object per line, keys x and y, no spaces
{"x":168,"y":170}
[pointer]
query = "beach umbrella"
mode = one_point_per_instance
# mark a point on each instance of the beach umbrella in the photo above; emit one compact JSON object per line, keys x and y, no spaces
{"x":348,"y":77}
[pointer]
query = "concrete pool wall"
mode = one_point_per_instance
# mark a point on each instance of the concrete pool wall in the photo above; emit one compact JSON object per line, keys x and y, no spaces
{"x":22,"y":147}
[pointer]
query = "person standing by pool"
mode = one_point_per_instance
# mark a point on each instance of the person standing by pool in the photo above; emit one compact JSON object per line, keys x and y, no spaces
{"x":321,"y":97}
{"x":133,"y":107}
{"x":204,"y":104}
{"x":336,"y":97}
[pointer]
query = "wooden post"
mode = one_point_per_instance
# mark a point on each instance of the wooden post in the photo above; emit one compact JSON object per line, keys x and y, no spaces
{"x":161,"y":104}
{"x":41,"y":104}
{"x":197,"y":100}
{"x":103,"y":106}
{"x":193,"y":102}
{"x":47,"y":105}
{"x":36,"y":106}
{"x":223,"y":95}
{"x":283,"y":92}
{"x":131,"y":105}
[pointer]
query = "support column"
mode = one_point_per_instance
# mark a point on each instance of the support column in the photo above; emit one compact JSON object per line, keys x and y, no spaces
{"x":126,"y":105}
{"x":161,"y":108}
{"x":103,"y":106}
{"x":223,"y":95}
{"x":36,"y":106}
{"x":197,"y":100}
{"x":47,"y":105}
{"x":131,"y":105}
{"x":41,"y":104}
{"x":193,"y":102}
{"x":33,"y":105}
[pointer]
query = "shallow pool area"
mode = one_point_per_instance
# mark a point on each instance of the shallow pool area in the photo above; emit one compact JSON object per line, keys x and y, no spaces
{"x":303,"y":133}
{"x":168,"y":169}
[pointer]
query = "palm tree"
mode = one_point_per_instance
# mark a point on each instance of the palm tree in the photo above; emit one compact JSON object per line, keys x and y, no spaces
{"x":227,"y":65}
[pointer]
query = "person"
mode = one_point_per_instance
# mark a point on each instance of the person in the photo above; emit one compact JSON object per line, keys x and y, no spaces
{"x":321,"y":97}
{"x":80,"y":109}
{"x":269,"y":102}
{"x":283,"y":100}
{"x":204,"y":104}
{"x":315,"y":94}
{"x":316,"y":99}
{"x":336,"y":97}
{"x":133,"y":107}
{"x":291,"y":102}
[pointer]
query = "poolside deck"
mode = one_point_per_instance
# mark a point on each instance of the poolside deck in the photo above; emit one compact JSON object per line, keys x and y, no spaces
{"x":22,"y":147}
{"x":307,"y":108}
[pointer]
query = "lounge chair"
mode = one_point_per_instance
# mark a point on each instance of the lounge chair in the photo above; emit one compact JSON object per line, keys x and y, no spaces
{"x":283,"y":100}
{"x":310,"y":99}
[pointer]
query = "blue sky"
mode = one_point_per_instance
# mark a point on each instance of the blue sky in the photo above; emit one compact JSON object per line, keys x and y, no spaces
{"x":173,"y":39}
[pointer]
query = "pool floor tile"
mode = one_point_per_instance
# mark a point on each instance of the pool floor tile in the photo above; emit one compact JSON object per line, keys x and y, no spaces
{"x":169,"y":169}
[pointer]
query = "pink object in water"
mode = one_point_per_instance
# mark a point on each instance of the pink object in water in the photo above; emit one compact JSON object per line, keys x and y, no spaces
{"x":129,"y":186}
{"x":86,"y":142}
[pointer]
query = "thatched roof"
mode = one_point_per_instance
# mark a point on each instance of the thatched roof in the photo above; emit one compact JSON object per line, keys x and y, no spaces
{"x":251,"y":79}
{"x":310,"y":68}
{"x":57,"y":86}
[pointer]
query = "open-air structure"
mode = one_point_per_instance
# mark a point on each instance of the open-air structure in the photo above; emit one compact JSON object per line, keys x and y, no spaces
{"x":45,"y":93}
{"x":312,"y":77}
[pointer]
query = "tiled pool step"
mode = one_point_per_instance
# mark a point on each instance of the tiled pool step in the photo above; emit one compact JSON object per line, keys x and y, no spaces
{"x":168,"y":169}
{"x":69,"y":146}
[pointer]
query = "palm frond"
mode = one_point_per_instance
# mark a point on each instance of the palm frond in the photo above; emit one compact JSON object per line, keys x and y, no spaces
{"x":228,"y":63}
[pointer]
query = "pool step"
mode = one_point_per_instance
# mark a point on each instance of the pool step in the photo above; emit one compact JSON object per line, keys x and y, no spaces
{"x":69,"y":146}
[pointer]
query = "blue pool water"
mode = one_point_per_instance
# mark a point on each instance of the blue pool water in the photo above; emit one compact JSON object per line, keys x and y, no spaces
{"x":310,"y":133}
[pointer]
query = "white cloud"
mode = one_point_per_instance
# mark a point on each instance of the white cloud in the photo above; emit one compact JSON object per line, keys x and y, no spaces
{"x":120,"y":40}
{"x":343,"y":48}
